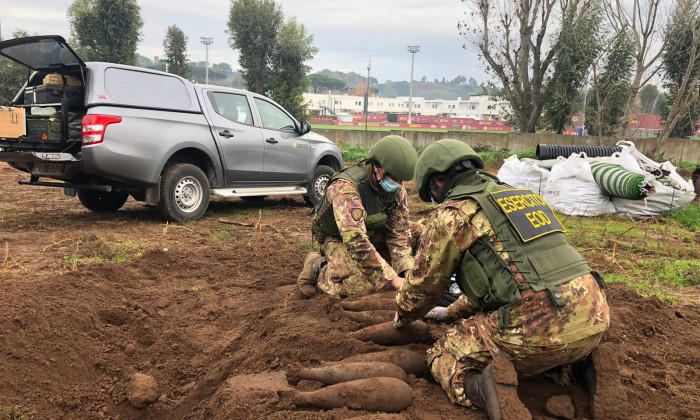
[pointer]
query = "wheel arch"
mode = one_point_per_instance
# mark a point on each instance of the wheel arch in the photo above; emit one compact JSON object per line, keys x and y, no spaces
{"x":195,"y":157}
{"x":329,"y":160}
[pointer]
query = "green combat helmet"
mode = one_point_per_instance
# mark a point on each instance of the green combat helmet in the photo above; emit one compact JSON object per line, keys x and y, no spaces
{"x":439,"y":157}
{"x":396,"y":156}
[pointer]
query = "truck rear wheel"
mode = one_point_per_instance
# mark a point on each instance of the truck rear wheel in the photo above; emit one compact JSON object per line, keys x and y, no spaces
{"x":184,"y":193}
{"x":317,"y":188}
{"x":102,"y":201}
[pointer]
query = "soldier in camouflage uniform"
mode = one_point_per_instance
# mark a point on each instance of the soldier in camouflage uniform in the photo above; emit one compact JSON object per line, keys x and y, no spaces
{"x":362,"y":225}
{"x":530,"y":302}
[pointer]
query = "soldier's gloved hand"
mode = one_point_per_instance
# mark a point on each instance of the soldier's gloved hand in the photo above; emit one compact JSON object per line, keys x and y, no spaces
{"x":398,"y":323}
{"x":438,"y":313}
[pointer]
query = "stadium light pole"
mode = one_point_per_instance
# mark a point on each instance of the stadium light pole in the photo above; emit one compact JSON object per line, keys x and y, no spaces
{"x":369,"y":66}
{"x":413,"y":49}
{"x":207,"y":41}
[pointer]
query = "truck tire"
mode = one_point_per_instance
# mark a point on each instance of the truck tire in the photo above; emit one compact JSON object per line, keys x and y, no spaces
{"x":317,"y":187}
{"x":102,"y":201}
{"x":184,"y":193}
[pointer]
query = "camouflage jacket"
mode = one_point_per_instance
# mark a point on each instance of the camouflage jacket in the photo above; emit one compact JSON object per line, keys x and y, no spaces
{"x":350,"y":218}
{"x":450,"y":230}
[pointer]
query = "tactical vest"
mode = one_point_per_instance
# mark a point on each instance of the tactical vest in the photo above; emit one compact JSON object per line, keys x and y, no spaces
{"x":544,"y":262}
{"x":376,"y":204}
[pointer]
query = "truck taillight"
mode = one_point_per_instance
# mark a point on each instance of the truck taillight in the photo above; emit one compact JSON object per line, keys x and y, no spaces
{"x":94,"y":127}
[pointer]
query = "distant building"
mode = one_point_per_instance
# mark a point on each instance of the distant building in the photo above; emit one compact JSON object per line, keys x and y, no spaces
{"x":476,"y":107}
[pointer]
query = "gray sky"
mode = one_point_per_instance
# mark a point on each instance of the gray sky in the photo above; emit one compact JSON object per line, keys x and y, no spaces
{"x":346,"y":33}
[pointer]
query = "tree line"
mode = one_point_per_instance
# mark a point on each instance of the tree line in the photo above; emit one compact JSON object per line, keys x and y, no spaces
{"x":273,"y":51}
{"x":552,"y":59}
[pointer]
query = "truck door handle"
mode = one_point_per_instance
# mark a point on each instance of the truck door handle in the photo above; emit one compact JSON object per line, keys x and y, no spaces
{"x":272,"y":140}
{"x":226,"y":134}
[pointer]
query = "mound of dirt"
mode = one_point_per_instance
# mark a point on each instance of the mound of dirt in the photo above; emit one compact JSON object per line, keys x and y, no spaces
{"x":217,"y":321}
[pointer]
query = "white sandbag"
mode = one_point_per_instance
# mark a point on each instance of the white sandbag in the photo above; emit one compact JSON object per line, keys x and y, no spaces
{"x":665,"y":169}
{"x":522,"y":174}
{"x":571,"y":189}
{"x":664,"y":199}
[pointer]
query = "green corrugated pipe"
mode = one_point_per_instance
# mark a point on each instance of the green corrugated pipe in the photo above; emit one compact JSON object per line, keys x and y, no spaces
{"x":617,"y":181}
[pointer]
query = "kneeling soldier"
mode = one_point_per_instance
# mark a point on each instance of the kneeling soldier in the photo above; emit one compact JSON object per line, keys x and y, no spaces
{"x":530,"y":302}
{"x":362,"y":225}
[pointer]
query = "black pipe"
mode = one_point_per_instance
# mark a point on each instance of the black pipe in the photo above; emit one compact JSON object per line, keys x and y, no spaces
{"x":548,"y":151}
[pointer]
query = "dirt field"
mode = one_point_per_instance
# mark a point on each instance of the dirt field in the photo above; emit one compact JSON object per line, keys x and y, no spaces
{"x":209,"y":309}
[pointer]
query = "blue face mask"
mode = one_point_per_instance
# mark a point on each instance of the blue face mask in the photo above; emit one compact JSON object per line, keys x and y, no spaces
{"x":389,"y":185}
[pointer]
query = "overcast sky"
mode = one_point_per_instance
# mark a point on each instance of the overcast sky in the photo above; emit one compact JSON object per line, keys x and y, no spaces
{"x":346,"y":33}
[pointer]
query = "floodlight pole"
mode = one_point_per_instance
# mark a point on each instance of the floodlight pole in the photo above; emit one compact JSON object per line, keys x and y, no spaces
{"x":413,"y":49}
{"x":369,"y":66}
{"x":207,"y":41}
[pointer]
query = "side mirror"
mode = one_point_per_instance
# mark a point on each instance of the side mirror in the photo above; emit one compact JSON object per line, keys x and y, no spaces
{"x":305,"y":127}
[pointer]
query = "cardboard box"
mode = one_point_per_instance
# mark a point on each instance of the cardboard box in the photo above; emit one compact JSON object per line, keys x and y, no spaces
{"x":12,"y":122}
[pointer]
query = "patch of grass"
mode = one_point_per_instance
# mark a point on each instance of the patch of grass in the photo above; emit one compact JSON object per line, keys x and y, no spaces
{"x":309,"y":246}
{"x":353,"y":153}
{"x":529,"y":153}
{"x":688,"y":216}
{"x":644,"y":287}
{"x":686,"y":168}
{"x":227,"y":234}
{"x":16,"y":412}
{"x":103,"y":250}
{"x":654,"y":256}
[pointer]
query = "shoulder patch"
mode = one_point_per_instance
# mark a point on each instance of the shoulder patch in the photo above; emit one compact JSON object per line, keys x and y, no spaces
{"x":356,"y":214}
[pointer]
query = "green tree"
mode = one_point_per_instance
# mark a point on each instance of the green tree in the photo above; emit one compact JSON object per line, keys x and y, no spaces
{"x":12,"y":75}
{"x":513,"y":38}
{"x":106,"y":30}
{"x":609,"y":99}
{"x":322,"y":83}
{"x":574,"y":53}
{"x":681,"y":67}
{"x":648,"y":98}
{"x":224,"y":68}
{"x":288,"y":82}
{"x":175,"y":47}
{"x":252,"y":27}
{"x":143,"y":61}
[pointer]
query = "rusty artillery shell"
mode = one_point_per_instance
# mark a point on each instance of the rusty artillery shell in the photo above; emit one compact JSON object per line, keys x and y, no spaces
{"x":409,"y":361}
{"x":374,"y":394}
{"x":333,"y":374}
{"x":386,"y":335}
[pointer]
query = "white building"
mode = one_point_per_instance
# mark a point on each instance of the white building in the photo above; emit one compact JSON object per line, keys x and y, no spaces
{"x":477,"y":107}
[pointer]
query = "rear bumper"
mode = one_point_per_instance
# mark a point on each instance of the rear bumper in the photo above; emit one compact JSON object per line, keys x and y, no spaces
{"x":25,"y":161}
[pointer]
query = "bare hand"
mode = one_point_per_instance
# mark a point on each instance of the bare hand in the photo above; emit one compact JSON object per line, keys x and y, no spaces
{"x":397,"y":282}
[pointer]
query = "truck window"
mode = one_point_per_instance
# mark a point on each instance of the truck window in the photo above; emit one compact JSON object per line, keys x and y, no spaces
{"x":146,"y":89}
{"x":273,"y":117}
{"x":231,"y":106}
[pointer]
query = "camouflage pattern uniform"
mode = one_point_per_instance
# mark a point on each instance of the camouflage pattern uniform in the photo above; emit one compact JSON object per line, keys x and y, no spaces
{"x":355,"y":263}
{"x":538,"y":335}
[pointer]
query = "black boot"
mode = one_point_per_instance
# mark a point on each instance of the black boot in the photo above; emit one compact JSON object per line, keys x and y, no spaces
{"x":496,"y":391}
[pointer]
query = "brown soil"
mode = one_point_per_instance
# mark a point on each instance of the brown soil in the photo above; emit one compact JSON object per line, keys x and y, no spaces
{"x":209,"y":309}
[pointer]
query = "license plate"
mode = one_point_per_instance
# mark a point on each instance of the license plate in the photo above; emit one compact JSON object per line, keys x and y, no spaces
{"x":48,"y":169}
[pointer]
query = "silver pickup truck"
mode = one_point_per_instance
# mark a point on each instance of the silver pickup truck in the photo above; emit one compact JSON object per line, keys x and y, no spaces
{"x":106,"y":131}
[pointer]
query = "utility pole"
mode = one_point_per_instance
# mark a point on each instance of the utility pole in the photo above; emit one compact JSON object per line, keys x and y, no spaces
{"x":207,"y":41}
{"x":413,"y":49}
{"x":369,"y":66}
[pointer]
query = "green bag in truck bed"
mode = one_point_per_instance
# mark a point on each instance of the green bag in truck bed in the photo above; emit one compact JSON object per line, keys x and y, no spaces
{"x":43,"y":129}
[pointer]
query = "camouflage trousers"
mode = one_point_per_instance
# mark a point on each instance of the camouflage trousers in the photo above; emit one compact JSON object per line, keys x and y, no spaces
{"x":533,"y":344}
{"x":341,"y":276}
